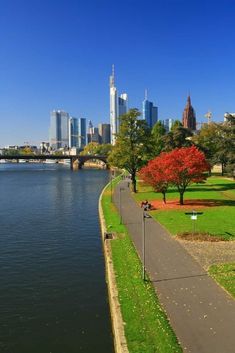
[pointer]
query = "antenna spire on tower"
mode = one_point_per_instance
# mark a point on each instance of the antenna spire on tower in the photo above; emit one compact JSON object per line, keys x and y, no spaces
{"x":146,"y":94}
{"x":112,"y":77}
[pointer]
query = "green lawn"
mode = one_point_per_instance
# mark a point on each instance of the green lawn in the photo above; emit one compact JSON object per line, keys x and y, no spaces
{"x":216,"y":220}
{"x":224,"y":274}
{"x":147,"y":329}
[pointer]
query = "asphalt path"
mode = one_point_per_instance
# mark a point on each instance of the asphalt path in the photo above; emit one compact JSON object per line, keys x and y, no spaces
{"x":201,"y":313}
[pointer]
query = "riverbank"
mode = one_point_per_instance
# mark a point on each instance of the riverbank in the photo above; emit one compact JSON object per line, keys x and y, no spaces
{"x":135,"y":310}
{"x":120,"y":344}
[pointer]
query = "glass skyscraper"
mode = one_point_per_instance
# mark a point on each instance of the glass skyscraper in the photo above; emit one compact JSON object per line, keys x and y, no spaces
{"x":81,"y":133}
{"x":59,"y":129}
{"x":73,"y":132}
{"x":104,"y":133}
{"x":150,"y":112}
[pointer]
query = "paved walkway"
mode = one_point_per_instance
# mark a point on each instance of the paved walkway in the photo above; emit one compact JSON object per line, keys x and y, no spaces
{"x":201,"y":313}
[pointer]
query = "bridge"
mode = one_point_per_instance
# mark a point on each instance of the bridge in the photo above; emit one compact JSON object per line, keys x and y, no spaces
{"x":76,"y":161}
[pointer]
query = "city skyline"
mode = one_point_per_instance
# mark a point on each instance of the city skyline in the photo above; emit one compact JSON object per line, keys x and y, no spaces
{"x":67,"y":67}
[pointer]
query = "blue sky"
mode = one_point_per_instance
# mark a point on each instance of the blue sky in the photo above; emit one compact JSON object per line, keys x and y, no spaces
{"x":58,"y":54}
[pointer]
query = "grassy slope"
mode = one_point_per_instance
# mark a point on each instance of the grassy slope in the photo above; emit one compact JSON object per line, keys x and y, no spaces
{"x":218,"y":220}
{"x":224,"y":274}
{"x":146,"y":326}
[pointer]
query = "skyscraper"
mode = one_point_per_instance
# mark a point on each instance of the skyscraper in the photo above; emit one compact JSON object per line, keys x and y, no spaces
{"x":73,"y":132}
{"x":81,"y":133}
{"x":150,"y":112}
{"x":189,"y":116}
{"x":113,"y":109}
{"x":104,"y":133}
{"x":168,"y":124}
{"x":59,"y":129}
{"x":122,"y":104}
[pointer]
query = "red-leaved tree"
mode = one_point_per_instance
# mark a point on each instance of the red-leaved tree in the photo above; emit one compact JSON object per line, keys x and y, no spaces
{"x":154,"y":174}
{"x":180,"y":167}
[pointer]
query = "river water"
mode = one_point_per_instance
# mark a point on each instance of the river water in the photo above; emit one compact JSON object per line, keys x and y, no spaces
{"x":53,"y":296}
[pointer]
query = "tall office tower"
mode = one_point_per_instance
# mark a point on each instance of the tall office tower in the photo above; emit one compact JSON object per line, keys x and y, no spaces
{"x":150,"y":112}
{"x":59,"y":129}
{"x":189,"y":116}
{"x":73,"y":132}
{"x":113,"y":109}
{"x":122,"y":104}
{"x":90,"y":127}
{"x":81,"y":133}
{"x":95,"y":135}
{"x":168,"y":124}
{"x":104,"y":133}
{"x":90,"y":130}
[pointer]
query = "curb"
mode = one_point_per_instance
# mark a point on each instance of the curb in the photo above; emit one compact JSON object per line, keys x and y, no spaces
{"x":120,"y":344}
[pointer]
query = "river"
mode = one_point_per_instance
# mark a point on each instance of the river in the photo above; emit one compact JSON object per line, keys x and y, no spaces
{"x":53,"y":295}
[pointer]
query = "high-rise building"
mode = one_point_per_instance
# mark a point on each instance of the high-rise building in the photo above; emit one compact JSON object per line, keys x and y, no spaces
{"x":95,"y":135}
{"x":150,"y":112}
{"x":104,"y":133}
{"x":81,"y":133}
{"x":113,"y":109}
{"x":90,"y":131}
{"x":168,"y":124}
{"x":59,"y":129}
{"x":73,"y":132}
{"x":122,"y":104}
{"x":189,"y":116}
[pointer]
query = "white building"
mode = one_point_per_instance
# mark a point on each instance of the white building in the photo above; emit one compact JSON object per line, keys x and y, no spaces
{"x":113,"y":109}
{"x":226,"y":115}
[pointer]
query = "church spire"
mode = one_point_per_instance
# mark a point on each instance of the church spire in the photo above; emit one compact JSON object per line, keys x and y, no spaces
{"x":189,"y":116}
{"x":189,"y":100}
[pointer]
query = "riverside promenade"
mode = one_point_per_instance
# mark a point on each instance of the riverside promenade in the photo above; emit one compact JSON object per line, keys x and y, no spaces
{"x":201,"y":313}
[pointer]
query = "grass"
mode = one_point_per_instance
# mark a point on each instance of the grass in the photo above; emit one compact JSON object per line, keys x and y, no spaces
{"x":147,"y":328}
{"x":216,"y":220}
{"x":224,"y":274}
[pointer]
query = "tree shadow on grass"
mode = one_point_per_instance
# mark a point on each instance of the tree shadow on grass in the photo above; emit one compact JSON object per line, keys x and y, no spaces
{"x":210,"y":202}
{"x":223,"y":187}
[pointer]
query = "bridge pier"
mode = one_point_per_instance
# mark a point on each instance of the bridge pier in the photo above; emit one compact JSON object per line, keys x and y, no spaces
{"x":75,"y":164}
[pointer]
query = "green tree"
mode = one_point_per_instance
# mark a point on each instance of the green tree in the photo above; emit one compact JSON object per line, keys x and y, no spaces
{"x":104,"y":149}
{"x":177,"y":138}
{"x":176,"y":124}
{"x":96,"y":149}
{"x":132,"y":144}
{"x":158,"y":131}
{"x":217,"y":141}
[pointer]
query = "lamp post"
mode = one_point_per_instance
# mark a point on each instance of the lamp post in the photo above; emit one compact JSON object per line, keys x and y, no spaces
{"x":111,"y":185}
{"x":120,"y":203}
{"x":145,"y":215}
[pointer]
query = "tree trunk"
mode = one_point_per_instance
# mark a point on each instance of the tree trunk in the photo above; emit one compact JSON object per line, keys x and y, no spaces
{"x":133,"y":179}
{"x":164,"y":197}
{"x":181,"y":198}
{"x":222,"y":169}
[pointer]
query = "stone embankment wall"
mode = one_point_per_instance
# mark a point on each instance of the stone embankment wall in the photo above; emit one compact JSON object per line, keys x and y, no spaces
{"x":120,"y":343}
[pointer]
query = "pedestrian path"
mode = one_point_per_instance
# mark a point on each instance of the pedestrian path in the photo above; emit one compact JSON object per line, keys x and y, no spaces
{"x":201,"y":313}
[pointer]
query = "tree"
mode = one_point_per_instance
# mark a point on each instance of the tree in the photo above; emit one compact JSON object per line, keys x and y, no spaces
{"x":158,"y":131}
{"x":178,"y":137}
{"x":132,"y":144}
{"x":94,"y":148}
{"x":176,"y":124}
{"x":185,"y":166}
{"x":217,"y":141}
{"x":180,"y":167}
{"x":154,"y":174}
